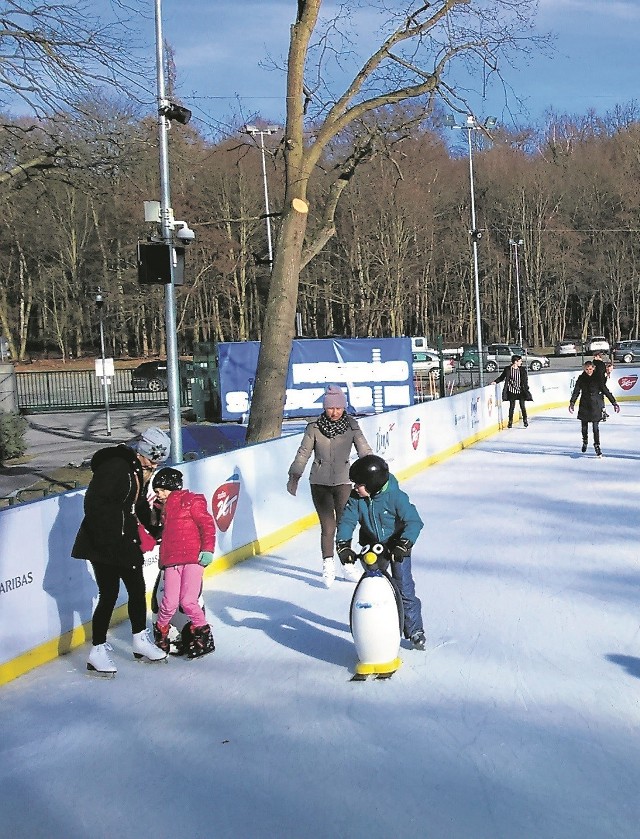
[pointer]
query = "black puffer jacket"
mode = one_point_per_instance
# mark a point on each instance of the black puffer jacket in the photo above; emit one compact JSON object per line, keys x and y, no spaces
{"x":113,"y":504}
{"x":592,"y":391}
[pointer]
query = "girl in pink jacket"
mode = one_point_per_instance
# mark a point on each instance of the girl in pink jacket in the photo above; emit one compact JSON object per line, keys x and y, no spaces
{"x":188,"y":542}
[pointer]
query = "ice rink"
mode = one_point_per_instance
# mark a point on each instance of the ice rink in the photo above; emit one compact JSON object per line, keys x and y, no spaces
{"x":520,"y":721}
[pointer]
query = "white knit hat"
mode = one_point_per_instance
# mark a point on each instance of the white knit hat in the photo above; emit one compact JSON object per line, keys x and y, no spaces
{"x":154,"y":444}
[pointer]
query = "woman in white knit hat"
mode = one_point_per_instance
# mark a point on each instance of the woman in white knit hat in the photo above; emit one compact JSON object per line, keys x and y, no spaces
{"x":330,"y":439}
{"x":114,"y":505}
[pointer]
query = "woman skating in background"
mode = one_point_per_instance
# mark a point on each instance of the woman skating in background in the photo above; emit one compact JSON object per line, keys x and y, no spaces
{"x":330,"y":439}
{"x":592,"y":390}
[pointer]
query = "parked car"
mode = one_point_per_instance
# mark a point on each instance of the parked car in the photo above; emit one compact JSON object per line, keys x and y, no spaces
{"x":598,"y":342}
{"x":627,"y":351}
{"x":426,"y":362}
{"x":469,"y":359}
{"x":503,"y":353}
{"x":152,"y":375}
{"x":568,"y":347}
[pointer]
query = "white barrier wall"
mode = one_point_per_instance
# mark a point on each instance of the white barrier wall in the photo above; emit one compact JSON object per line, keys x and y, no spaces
{"x":47,"y":598}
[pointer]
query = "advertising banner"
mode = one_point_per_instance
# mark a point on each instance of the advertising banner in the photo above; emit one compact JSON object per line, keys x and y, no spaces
{"x":375,"y":373}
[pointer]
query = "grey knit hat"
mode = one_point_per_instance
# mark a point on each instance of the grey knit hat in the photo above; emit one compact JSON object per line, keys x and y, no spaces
{"x":153,"y":443}
{"x":334,"y":397}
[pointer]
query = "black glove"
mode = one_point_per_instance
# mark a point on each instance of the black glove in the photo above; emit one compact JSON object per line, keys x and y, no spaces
{"x":401,"y":549}
{"x":345,"y":553}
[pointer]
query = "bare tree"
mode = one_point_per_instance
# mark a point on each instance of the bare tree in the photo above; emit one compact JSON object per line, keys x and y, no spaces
{"x":54,"y":53}
{"x":422,"y":45}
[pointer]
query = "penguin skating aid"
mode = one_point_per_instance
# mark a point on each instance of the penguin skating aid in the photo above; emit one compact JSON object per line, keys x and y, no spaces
{"x":376,"y":617}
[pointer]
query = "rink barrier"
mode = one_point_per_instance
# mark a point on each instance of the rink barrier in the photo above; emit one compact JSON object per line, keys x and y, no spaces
{"x":47,"y":598}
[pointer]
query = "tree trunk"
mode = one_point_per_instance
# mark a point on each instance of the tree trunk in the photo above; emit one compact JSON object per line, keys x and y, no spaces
{"x":278,"y":331}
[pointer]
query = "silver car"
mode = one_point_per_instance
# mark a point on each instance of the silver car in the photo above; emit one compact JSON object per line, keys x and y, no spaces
{"x":427,"y":362}
{"x":598,"y":342}
{"x":627,"y":351}
{"x":568,"y":347}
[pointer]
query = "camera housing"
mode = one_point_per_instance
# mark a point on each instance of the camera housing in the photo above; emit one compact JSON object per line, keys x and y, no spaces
{"x":184,"y":233}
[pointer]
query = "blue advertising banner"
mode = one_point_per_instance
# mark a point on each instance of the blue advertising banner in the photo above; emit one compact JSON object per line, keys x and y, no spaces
{"x":375,"y":373}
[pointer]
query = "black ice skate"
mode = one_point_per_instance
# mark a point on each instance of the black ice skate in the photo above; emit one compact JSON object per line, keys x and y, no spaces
{"x":598,"y":451}
{"x":418,"y":641}
{"x":201,"y":641}
{"x":584,"y":446}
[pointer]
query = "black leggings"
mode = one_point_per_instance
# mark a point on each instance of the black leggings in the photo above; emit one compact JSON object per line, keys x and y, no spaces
{"x":596,"y":432}
{"x":329,"y":503}
{"x":108,"y":579}
{"x":512,"y":405}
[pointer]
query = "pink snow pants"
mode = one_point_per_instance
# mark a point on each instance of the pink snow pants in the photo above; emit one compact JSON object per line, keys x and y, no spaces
{"x":182,"y":585}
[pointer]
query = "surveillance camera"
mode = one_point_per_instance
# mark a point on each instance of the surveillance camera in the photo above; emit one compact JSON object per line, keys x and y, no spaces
{"x":184,"y":233}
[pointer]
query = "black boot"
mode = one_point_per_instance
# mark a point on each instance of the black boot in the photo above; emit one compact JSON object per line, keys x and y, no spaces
{"x":202,"y":641}
{"x":161,"y":637}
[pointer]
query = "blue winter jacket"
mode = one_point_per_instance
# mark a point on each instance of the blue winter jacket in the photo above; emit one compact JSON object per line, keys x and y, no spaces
{"x":389,"y":515}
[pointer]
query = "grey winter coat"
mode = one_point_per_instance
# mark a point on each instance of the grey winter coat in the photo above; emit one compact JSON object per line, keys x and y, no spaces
{"x":330,"y":454}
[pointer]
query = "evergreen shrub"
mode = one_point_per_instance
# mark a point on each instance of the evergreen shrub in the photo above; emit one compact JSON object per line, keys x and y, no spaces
{"x":13,"y":428}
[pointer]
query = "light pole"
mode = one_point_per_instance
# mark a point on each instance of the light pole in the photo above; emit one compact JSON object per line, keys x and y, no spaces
{"x":472,"y":125}
{"x":515,"y":244}
{"x":105,"y":388}
{"x":168,"y":111}
{"x":254,"y":131}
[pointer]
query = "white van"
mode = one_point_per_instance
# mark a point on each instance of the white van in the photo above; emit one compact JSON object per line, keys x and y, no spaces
{"x":420,"y":344}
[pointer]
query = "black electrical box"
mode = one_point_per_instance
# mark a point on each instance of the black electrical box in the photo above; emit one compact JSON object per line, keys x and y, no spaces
{"x":155,"y":261}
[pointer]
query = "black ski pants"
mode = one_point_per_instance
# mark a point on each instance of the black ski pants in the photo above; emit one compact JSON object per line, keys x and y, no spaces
{"x":512,"y":406}
{"x":596,"y":432}
{"x":108,"y":578}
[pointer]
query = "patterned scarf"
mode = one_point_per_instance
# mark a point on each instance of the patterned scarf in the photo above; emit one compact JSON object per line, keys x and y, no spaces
{"x":330,"y":428}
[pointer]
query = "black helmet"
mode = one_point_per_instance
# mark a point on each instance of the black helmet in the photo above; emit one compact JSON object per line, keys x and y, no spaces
{"x":167,"y":478}
{"x":371,"y":472}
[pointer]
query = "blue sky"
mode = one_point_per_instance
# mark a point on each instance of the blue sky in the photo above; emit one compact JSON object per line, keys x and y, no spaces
{"x":222,"y":46}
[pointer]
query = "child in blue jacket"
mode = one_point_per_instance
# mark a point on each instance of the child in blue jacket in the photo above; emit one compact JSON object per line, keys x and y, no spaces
{"x":386,"y":516}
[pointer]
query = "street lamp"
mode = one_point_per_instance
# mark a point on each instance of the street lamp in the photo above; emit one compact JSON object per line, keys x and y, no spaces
{"x":168,"y":111}
{"x":254,"y":131}
{"x":105,"y":387}
{"x":515,"y":244}
{"x":472,"y":125}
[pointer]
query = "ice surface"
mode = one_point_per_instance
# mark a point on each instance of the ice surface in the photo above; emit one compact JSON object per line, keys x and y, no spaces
{"x":519,"y":722}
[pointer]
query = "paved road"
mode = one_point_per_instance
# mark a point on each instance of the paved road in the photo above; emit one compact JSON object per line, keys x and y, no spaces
{"x":55,"y":440}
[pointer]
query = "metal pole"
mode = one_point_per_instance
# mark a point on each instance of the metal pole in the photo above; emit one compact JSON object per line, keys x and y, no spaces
{"x":173,"y":377}
{"x":105,"y":389}
{"x":515,"y":248}
{"x":266,"y":199}
{"x":475,"y":259}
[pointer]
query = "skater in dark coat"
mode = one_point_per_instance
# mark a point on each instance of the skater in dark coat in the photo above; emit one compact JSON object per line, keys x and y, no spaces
{"x":601,"y":372}
{"x":599,"y":367}
{"x":592,"y":390}
{"x":114,"y":505}
{"x":516,"y":388}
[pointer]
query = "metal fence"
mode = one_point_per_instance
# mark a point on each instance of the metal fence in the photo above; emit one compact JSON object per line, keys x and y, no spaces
{"x":80,"y":390}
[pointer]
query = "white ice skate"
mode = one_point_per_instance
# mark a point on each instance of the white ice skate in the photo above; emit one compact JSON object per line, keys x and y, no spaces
{"x":144,"y":648}
{"x":351,"y":572}
{"x":100,"y":662}
{"x":328,"y":571}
